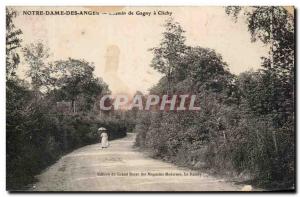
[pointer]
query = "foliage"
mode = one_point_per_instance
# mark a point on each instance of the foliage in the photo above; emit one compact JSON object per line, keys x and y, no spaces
{"x":74,"y":81}
{"x":246,"y":122}
{"x":13,"y":42}
{"x":36,"y":133}
{"x":36,"y":136}
{"x":171,"y":49}
{"x":36,"y":56}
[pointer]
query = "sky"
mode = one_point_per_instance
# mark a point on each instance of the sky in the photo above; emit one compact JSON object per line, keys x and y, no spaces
{"x":118,"y":44}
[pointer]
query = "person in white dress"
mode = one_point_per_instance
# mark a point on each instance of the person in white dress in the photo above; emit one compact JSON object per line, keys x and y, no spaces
{"x":104,"y":138}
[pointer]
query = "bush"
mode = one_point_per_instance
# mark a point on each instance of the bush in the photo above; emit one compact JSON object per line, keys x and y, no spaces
{"x":37,"y":137}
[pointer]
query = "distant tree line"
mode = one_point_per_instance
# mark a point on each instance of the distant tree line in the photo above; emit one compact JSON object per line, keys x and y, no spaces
{"x":246,"y":125}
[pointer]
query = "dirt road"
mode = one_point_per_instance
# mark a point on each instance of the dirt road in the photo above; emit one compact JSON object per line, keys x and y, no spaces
{"x":122,"y":168}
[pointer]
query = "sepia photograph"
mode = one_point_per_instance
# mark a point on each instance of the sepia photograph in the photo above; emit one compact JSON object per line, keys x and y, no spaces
{"x":150,"y":98}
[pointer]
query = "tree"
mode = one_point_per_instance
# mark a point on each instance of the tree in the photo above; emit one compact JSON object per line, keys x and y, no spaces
{"x":74,"y":80}
{"x":272,"y":25}
{"x":269,"y":92}
{"x":36,"y":55}
{"x":13,"y":42}
{"x":206,"y":68}
{"x":170,"y":50}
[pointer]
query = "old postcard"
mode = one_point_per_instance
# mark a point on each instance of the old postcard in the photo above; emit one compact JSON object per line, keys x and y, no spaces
{"x":155,"y":99}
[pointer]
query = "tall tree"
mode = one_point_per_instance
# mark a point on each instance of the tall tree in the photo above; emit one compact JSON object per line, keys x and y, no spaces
{"x":269,"y":92}
{"x":13,"y":42}
{"x":170,"y":50}
{"x":36,"y":55}
{"x":274,"y":26}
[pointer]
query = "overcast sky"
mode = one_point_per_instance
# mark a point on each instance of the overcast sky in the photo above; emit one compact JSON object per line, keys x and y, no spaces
{"x":90,"y":37}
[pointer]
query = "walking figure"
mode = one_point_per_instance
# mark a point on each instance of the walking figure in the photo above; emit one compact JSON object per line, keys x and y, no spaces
{"x":104,"y":137}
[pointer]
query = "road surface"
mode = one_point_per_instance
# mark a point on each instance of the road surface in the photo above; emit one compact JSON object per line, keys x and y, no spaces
{"x":120,"y":168}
